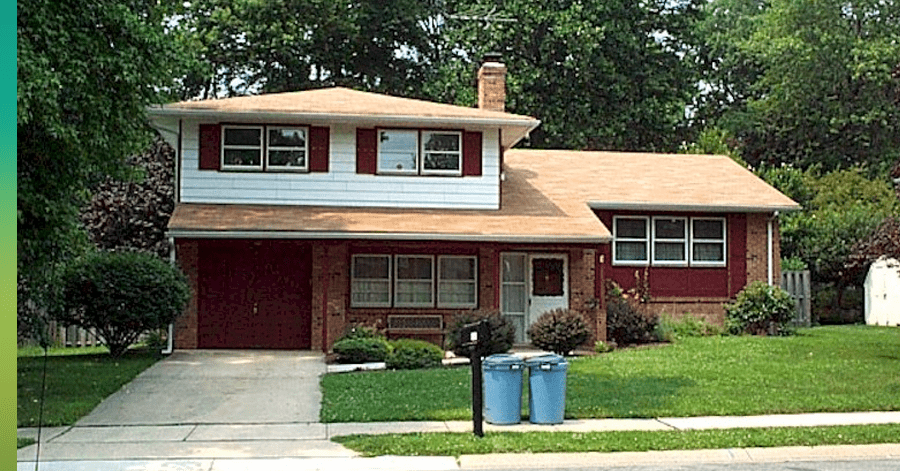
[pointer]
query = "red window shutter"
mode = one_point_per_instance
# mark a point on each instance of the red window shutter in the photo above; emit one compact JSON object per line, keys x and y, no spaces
{"x":471,"y":153}
{"x":318,"y":149}
{"x":210,"y":140}
{"x":366,"y":150}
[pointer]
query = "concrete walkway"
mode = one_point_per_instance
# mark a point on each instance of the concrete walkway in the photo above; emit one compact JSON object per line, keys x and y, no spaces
{"x":230,"y":410}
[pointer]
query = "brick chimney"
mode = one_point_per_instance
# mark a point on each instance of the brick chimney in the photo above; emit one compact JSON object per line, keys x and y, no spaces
{"x":492,"y":83}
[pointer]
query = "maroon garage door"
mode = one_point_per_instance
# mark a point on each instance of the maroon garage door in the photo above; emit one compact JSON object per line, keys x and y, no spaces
{"x":254,"y":294}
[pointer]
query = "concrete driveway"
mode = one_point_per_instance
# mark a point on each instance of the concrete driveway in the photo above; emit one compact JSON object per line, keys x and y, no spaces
{"x":218,"y":387}
{"x":205,"y":404}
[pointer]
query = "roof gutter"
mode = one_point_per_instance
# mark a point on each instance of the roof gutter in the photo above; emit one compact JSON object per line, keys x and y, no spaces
{"x":693,"y":208}
{"x":406,"y":236}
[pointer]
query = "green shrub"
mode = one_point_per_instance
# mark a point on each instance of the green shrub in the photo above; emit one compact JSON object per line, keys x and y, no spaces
{"x":410,"y":354}
{"x":760,"y":309}
{"x":793,"y":264}
{"x":501,"y":338}
{"x":626,"y":322}
{"x":361,"y":350}
{"x":360,"y":332}
{"x":559,"y":331}
{"x":121,"y":295}
{"x":604,"y":347}
{"x":671,"y":329}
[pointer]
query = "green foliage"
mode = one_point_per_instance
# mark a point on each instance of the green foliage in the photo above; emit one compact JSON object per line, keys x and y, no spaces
{"x":86,"y":70}
{"x":604,"y":347}
{"x":626,"y":321}
{"x":671,"y":329}
{"x":411,"y":354}
{"x":793,"y":264}
{"x":361,"y":350}
{"x":355,"y":332}
{"x":760,"y":309}
{"x":502,"y":334}
{"x":121,"y":295}
{"x":714,"y":141}
{"x":559,"y":331}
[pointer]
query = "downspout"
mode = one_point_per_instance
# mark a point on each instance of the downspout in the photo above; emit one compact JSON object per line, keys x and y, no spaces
{"x":170,"y":342}
{"x":770,"y":248}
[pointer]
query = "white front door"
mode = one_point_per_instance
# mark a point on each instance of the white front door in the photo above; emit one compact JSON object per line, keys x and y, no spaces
{"x":532,"y":284}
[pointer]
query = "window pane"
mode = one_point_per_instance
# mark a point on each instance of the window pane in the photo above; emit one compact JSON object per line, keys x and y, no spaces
{"x":438,"y":161}
{"x":397,"y":151}
{"x":513,"y":298}
{"x":547,"y":277}
{"x":413,"y":268}
{"x":457,"y":293}
{"x":631,"y":228}
{"x":287,"y":158}
{"x":457,"y":268}
{"x":513,"y":268}
{"x":249,"y":157}
{"x":709,"y":229}
{"x":669,"y":228}
{"x":287,"y":137}
{"x":243,"y":137}
{"x":708,"y":252}
{"x":669,"y":252}
{"x":635,"y":251}
{"x":441,"y":142}
{"x":371,"y":267}
{"x":370,"y":292}
{"x":414,"y":292}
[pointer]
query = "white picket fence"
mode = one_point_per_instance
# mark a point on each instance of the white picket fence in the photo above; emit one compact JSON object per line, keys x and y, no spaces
{"x":797,"y":283}
{"x":72,"y":336}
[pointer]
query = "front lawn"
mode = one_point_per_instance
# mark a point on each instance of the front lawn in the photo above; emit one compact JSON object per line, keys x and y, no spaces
{"x":825,"y":369}
{"x":77,"y":380}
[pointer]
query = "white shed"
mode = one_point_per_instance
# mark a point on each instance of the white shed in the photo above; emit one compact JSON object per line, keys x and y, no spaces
{"x":883,"y":292}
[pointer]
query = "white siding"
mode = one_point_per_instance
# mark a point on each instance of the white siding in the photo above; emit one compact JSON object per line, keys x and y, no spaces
{"x":341,"y":186}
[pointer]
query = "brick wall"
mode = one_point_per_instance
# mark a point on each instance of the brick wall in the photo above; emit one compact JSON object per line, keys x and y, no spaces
{"x":185,"y":331}
{"x":492,"y":86}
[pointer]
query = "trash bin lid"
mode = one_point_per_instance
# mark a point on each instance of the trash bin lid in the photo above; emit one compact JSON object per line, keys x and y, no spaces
{"x":549,"y":359}
{"x":502,"y":359}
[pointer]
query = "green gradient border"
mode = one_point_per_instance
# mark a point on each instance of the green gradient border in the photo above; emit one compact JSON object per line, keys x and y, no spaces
{"x":8,"y":231}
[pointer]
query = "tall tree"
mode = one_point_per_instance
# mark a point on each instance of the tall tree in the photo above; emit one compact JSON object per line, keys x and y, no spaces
{"x":599,"y":74}
{"x":825,"y":81}
{"x":86,"y":71}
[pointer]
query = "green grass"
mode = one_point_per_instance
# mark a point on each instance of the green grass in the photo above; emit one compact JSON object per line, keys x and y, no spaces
{"x":23,"y":442}
{"x":456,"y":444}
{"x":825,"y":369}
{"x":77,"y":380}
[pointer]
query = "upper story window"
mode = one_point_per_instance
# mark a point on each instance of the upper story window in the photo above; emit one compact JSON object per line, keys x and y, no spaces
{"x":669,"y":241}
{"x":277,"y":148}
{"x":410,"y":152}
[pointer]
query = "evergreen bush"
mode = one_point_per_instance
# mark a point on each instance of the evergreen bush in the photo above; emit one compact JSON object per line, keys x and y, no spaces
{"x":502,"y":332}
{"x":361,"y":350}
{"x":760,"y":309}
{"x":559,"y":331}
{"x":410,"y":354}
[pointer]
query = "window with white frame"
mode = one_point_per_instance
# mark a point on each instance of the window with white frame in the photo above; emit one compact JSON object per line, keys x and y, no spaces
{"x":413,"y":152}
{"x":457,"y":281}
{"x":414,"y":281}
{"x":708,"y":241}
{"x":670,"y":241}
{"x":370,"y":284}
{"x":441,"y":152}
{"x":286,"y":148}
{"x":242,"y":147}
{"x":631,"y":240}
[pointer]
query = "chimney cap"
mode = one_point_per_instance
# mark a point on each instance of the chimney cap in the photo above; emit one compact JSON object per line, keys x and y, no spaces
{"x":492,"y":57}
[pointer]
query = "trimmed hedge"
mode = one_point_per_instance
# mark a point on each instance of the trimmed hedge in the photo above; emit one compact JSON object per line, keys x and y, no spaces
{"x":559,"y":331}
{"x":410,"y":354}
{"x":361,"y":350}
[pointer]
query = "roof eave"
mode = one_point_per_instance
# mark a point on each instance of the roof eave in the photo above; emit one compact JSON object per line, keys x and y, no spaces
{"x":693,"y":208}
{"x":405,"y":236}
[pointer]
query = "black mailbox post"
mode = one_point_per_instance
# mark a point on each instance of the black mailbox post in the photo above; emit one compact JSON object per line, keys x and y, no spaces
{"x":476,"y":334}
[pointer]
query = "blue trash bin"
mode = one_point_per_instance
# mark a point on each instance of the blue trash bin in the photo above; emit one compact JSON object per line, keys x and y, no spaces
{"x":547,"y":389}
{"x":503,"y":389}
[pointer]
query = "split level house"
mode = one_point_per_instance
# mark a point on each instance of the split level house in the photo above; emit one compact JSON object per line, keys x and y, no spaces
{"x":300,"y":214}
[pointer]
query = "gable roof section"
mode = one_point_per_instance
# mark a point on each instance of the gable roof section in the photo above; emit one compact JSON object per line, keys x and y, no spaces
{"x":339,"y":105}
{"x":648,"y":182}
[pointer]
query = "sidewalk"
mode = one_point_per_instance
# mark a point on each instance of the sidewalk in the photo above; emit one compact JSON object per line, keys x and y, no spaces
{"x":307,"y":446}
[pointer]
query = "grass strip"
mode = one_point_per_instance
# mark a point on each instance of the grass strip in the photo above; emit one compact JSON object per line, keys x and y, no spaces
{"x":23,"y":442}
{"x":457,"y":444}
{"x":77,"y":380}
{"x":818,"y":370}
